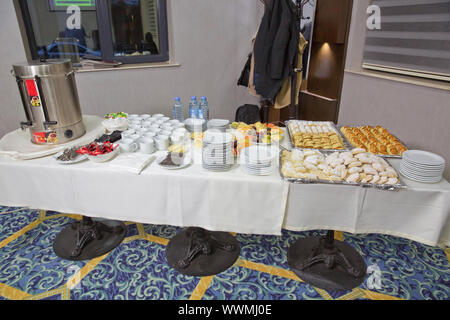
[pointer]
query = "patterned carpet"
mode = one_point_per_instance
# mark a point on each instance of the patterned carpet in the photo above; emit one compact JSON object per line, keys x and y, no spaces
{"x":137,"y":269}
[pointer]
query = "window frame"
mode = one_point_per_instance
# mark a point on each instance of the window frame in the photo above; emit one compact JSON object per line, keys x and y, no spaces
{"x":396,"y":69}
{"x":105,"y":33}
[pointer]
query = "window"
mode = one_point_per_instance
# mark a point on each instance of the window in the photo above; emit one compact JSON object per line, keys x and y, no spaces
{"x":414,"y":39}
{"x":129,"y":31}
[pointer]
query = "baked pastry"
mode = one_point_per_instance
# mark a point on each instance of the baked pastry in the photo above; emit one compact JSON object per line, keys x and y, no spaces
{"x":376,"y":140}
{"x":350,"y":166}
{"x":315,"y":135}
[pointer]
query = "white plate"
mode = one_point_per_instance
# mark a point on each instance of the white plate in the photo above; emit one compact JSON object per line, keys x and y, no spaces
{"x":416,"y":176}
{"x":423,"y":158}
{"x":420,"y":167}
{"x":421,"y":171}
{"x":217,"y":138}
{"x":257,"y":173}
{"x":419,"y":175}
{"x":80,"y":158}
{"x":186,"y":162}
{"x":420,"y":179}
{"x":260,"y":153}
{"x":105,"y":157}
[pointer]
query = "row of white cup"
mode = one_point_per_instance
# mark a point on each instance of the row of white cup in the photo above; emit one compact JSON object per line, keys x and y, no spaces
{"x":144,"y":145}
{"x":132,"y":141}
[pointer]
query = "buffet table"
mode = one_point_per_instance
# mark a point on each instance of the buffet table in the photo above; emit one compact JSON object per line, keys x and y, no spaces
{"x":224,"y":201}
{"x":420,"y":212}
{"x":227,"y":201}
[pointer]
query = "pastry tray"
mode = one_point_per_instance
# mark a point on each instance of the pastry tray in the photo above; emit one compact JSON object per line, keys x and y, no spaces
{"x":377,"y":154}
{"x":388,"y":187}
{"x":347,"y":145}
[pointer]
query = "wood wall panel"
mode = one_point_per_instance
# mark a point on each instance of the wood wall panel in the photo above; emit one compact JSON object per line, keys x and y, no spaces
{"x":331,"y":20}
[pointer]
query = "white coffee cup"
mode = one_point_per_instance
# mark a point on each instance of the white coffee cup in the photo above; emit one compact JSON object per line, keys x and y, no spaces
{"x":133,"y":116}
{"x":165,"y":133}
{"x":162,"y":142}
{"x":177,"y":138}
{"x":146,"y":145}
{"x":134,"y":127}
{"x":178,"y":125}
{"x":155,"y":130}
{"x":165,"y":119}
{"x":147,"y":124}
{"x":127,"y":134}
{"x":135,"y":137}
{"x":145,"y":116}
{"x":167,"y":126}
{"x":142,"y":131}
{"x":128,"y":145}
{"x":174,"y":122}
{"x":158,"y":115}
{"x":150,"y":134}
{"x":180,"y":130}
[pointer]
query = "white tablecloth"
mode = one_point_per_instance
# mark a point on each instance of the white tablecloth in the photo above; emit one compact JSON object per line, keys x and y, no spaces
{"x":218,"y":201}
{"x":226,"y":201}
{"x":420,"y":213}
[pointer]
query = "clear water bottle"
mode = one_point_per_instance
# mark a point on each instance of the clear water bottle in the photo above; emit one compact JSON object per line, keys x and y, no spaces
{"x":193,"y":108}
{"x":203,"y":109}
{"x":177,"y":110}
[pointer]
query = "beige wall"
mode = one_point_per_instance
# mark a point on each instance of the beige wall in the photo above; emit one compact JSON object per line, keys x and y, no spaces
{"x":209,"y":39}
{"x":419,"y":115}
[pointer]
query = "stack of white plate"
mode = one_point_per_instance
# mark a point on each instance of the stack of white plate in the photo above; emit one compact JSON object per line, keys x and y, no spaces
{"x":217,"y":151}
{"x":422,"y":166}
{"x":258,"y":160}
{"x":218,"y":124}
{"x":195,"y":125}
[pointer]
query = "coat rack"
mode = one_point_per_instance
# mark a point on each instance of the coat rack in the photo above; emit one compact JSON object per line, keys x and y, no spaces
{"x":293,"y":111}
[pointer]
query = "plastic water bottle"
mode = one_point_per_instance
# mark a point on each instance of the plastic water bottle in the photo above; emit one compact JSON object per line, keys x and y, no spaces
{"x":193,"y":108}
{"x":177,"y":110}
{"x":204,"y":109}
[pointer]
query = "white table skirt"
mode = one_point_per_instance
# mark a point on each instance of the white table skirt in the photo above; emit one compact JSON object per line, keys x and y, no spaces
{"x":218,"y":201}
{"x":420,"y":213}
{"x":227,"y":201}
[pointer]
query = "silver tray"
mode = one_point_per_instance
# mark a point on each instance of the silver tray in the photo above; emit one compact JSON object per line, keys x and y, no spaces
{"x":388,"y":187}
{"x":347,"y":145}
{"x":386,"y":156}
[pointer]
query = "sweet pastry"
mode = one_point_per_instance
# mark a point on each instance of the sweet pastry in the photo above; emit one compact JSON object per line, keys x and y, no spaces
{"x":376,"y":140}
{"x":315,"y":135}
{"x":350,"y":166}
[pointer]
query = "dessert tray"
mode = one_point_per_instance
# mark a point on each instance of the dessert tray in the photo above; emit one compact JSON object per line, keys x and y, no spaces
{"x":316,"y":135}
{"x":376,"y":140}
{"x":356,"y":167}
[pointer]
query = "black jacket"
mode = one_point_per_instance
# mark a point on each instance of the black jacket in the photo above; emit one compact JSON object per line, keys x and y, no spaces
{"x":276,"y":46}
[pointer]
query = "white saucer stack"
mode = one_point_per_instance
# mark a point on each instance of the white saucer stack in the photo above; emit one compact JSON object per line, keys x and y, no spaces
{"x":422,"y":166}
{"x":258,"y":160}
{"x":217,"y":151}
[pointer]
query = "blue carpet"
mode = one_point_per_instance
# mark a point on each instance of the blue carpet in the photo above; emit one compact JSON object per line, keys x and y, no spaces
{"x":137,"y":269}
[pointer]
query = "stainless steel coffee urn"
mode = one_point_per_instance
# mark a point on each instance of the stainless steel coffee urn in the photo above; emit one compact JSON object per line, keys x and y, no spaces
{"x":50,"y":101}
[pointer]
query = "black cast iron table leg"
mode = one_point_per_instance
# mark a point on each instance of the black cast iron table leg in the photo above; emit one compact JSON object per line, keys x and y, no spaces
{"x":327,"y":263}
{"x":88,"y":239}
{"x":198,"y":252}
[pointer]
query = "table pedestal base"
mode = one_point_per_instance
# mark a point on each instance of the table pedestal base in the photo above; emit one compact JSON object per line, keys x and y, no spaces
{"x":88,"y":239}
{"x":198,"y":252}
{"x":327,"y":264}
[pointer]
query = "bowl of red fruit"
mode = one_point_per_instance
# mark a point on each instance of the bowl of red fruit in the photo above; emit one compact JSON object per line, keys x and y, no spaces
{"x":100,"y":152}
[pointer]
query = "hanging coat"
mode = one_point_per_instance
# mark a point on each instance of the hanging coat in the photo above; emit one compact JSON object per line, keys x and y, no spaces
{"x":276,"y":45}
{"x":283,"y":98}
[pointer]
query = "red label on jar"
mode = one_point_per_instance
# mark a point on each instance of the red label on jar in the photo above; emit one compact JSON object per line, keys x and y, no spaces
{"x":31,"y":88}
